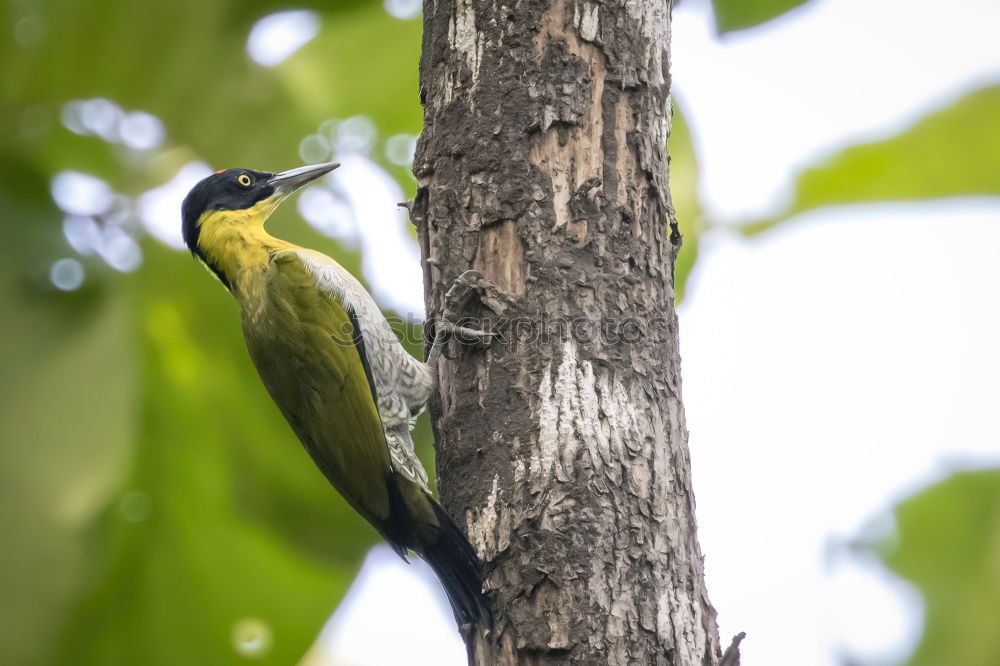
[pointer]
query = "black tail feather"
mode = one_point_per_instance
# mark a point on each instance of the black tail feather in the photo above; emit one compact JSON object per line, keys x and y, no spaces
{"x":457,"y":566}
{"x":443,"y":546}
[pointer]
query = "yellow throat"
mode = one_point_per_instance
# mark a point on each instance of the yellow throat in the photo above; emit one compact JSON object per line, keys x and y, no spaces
{"x":234,"y":244}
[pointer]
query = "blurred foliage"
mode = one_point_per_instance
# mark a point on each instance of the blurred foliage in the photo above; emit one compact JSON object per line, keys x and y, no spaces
{"x":733,"y":15}
{"x":949,"y":547}
{"x":203,"y":85}
{"x":163,"y":511}
{"x":951,"y":152}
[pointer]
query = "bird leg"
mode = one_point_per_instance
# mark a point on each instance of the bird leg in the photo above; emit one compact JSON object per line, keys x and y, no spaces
{"x":457,"y":294}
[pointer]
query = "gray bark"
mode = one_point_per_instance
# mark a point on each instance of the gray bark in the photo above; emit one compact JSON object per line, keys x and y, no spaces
{"x":562,"y":447}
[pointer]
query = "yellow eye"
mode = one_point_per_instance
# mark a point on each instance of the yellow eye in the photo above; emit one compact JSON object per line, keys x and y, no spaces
{"x":243,"y":180}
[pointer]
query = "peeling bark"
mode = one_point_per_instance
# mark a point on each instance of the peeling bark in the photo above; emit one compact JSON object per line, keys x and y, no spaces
{"x":543,"y":165}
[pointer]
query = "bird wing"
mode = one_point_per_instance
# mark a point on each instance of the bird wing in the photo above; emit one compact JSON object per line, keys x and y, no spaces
{"x":391,"y":369}
{"x":311,"y":357}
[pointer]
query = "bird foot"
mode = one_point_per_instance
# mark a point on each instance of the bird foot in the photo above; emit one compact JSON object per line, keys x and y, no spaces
{"x":462,"y":290}
{"x":458,"y":295}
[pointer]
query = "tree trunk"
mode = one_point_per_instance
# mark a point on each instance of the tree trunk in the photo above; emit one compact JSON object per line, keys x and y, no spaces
{"x":562,"y":447}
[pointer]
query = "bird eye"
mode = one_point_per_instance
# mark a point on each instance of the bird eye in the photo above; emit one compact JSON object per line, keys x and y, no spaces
{"x":243,"y":180}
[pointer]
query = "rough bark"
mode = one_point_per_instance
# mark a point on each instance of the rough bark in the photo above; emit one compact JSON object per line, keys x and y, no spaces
{"x":562,"y":447}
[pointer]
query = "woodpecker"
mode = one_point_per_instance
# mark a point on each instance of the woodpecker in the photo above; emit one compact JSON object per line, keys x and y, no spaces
{"x":335,"y":369}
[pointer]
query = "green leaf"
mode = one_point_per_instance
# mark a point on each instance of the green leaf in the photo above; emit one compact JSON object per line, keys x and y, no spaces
{"x":684,"y":195}
{"x":952,"y":152}
{"x":949,"y":547}
{"x":733,"y":15}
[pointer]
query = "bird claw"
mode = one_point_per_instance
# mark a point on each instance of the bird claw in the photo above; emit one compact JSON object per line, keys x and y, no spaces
{"x":466,"y":334}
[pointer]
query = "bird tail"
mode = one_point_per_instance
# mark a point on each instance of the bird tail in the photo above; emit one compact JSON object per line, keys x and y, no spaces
{"x":432,"y":534}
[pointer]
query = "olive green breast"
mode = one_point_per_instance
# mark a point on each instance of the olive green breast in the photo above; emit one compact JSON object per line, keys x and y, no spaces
{"x":302,"y":342}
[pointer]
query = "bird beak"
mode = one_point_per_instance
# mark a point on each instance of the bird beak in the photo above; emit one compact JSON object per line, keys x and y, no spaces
{"x":286,"y":182}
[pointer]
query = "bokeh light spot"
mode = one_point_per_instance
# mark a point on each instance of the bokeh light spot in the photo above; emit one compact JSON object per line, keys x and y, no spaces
{"x":66,"y":274}
{"x":403,"y":9}
{"x":274,"y":38}
{"x":355,"y":135}
{"x":29,"y":31}
{"x":138,"y":130}
{"x":120,"y":250}
{"x":81,"y":194}
{"x":101,"y":117}
{"x":82,"y":233}
{"x":328,"y":127}
{"x":251,"y":637}
{"x":141,"y":131}
{"x":399,"y":149}
{"x":314,"y":148}
{"x":72,"y":117}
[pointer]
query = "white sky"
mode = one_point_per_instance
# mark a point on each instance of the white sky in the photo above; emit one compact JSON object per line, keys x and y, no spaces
{"x":766,"y":102}
{"x":831,"y":367}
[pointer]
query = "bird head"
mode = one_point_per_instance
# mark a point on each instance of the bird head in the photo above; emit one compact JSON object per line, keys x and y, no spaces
{"x":241,"y":196}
